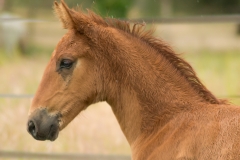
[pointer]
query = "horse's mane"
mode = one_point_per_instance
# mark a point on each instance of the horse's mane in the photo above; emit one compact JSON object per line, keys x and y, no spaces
{"x":138,"y":30}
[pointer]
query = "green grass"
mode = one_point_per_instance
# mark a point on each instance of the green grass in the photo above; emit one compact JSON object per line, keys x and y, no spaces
{"x":219,"y":71}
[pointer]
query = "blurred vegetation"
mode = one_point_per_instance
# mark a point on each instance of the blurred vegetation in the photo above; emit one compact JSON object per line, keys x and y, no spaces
{"x":115,"y":8}
{"x":42,"y":10}
{"x":218,"y":71}
{"x":120,"y":8}
{"x":207,"y":7}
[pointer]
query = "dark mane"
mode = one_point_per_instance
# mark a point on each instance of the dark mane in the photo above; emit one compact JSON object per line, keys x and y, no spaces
{"x":181,"y":65}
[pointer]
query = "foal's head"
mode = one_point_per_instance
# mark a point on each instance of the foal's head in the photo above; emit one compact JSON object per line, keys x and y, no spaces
{"x":68,"y":85}
{"x":92,"y":60}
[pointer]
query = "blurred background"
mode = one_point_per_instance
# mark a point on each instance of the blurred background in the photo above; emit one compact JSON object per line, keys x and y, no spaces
{"x":205,"y":32}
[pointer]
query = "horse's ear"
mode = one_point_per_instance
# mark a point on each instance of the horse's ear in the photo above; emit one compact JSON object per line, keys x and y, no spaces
{"x":72,"y":19}
{"x":63,"y":13}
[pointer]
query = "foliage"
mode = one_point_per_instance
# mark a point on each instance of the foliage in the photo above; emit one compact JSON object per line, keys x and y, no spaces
{"x":206,"y":7}
{"x":147,"y":8}
{"x":116,"y":8}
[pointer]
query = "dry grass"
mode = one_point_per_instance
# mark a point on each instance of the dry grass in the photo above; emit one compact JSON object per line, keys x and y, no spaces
{"x":93,"y":131}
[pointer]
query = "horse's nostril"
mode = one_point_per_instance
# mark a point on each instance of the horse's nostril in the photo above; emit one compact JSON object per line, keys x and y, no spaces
{"x":32,"y":128}
{"x":42,"y":126}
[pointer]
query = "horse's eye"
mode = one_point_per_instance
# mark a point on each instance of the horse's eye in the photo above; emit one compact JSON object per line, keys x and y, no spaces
{"x":66,"y":63}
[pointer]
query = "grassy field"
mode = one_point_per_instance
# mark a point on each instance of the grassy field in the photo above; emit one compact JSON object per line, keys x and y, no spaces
{"x":96,"y":129}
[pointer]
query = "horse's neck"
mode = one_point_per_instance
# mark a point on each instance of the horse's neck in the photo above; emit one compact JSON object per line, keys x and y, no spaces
{"x":128,"y":113}
{"x":148,"y":95}
{"x":138,"y":114}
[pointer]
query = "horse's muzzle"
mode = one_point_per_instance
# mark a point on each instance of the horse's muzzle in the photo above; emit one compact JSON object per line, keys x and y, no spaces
{"x":43,"y":126}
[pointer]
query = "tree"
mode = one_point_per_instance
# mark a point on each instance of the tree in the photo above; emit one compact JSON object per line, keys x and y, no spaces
{"x":115,"y":8}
